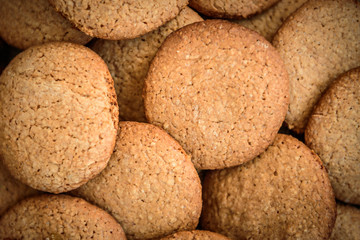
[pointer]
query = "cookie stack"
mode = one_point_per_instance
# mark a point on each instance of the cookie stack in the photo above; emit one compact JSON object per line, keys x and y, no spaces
{"x":108,"y":140}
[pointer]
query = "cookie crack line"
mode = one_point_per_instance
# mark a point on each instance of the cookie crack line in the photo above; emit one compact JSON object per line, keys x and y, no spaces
{"x":65,"y":133}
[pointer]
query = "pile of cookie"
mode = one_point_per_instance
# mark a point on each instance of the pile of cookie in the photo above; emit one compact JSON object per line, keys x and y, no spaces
{"x":169,"y":126}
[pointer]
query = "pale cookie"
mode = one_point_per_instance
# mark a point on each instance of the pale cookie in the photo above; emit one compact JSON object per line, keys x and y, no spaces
{"x":333,"y":132}
{"x":220,"y":89}
{"x":196,"y":235}
{"x":25,"y":23}
{"x":231,"y":8}
{"x":150,"y":185}
{"x":285,"y":193}
{"x":118,"y":19}
{"x":58,"y":116}
{"x":129,"y":60}
{"x":58,"y":217}
{"x":347,"y":225}
{"x":11,"y":190}
{"x":317,"y":43}
{"x":269,"y":21}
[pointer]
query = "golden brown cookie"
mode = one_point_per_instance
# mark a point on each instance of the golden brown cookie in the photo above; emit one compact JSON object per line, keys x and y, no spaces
{"x":11,"y":190}
{"x":333,"y":132}
{"x":58,"y":217}
{"x":231,"y":8}
{"x":220,"y":89}
{"x":318,"y":42}
{"x":119,"y":19}
{"x":285,"y":193}
{"x":25,"y":23}
{"x":347,"y":225}
{"x":269,"y":21}
{"x":150,"y":185}
{"x":196,"y":235}
{"x":129,"y":60}
{"x":58,"y":116}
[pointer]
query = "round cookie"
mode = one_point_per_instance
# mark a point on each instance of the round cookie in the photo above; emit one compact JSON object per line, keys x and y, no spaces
{"x":58,"y":116}
{"x":333,"y":132}
{"x":25,"y":23}
{"x":219,"y":89}
{"x":269,"y":21}
{"x":150,"y":185}
{"x":347,"y":225}
{"x":317,"y":43}
{"x":58,"y":217}
{"x":118,"y":19}
{"x":129,"y":60}
{"x":11,"y":190}
{"x":285,"y":193}
{"x":196,"y":235}
{"x":230,"y":8}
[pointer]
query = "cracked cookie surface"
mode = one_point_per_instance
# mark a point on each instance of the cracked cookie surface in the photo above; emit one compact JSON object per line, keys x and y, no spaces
{"x":58,"y":116}
{"x":129,"y":60}
{"x":269,"y":21}
{"x":219,"y":89}
{"x":58,"y":217}
{"x":119,"y":19}
{"x":333,"y":132}
{"x":25,"y":23}
{"x":285,"y":193}
{"x":231,"y":8}
{"x":150,"y":185}
{"x":318,"y":42}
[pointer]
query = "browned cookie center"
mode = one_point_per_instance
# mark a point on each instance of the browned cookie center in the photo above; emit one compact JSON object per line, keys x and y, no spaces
{"x":220,"y":89}
{"x":285,"y":193}
{"x":150,"y":185}
{"x":58,"y":116}
{"x":318,"y":42}
{"x":333,"y":132}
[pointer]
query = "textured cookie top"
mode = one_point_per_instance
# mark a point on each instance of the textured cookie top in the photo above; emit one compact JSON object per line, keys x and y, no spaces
{"x":129,"y":60}
{"x":58,"y":217}
{"x":196,"y":235}
{"x":119,"y":19}
{"x":285,"y":193}
{"x":25,"y":23}
{"x":317,"y":43}
{"x":220,"y":89}
{"x":11,"y":190}
{"x":58,"y":116}
{"x":269,"y":21}
{"x":347,"y":225}
{"x":231,"y":8}
{"x":333,"y":132}
{"x":150,"y":185}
